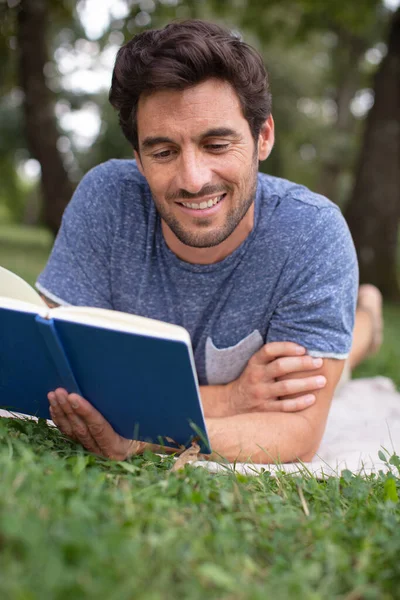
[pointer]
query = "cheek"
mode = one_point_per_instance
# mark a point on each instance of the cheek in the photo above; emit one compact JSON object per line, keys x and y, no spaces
{"x":159,"y":181}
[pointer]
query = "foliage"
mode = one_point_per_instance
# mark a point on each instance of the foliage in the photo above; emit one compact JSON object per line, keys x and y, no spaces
{"x":76,"y":526}
{"x":314,"y":53}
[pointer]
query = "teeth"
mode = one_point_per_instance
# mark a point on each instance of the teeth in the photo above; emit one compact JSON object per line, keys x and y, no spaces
{"x":205,"y":204}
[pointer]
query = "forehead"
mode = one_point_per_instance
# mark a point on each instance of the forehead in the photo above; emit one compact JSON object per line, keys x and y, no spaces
{"x":210,"y":103}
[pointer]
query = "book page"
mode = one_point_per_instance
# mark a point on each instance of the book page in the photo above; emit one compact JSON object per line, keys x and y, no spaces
{"x":13,"y":286}
{"x":21,"y":306}
{"x":112,"y":319}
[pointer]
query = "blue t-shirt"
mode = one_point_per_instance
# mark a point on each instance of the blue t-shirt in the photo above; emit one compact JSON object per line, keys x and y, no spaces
{"x":294,"y":277}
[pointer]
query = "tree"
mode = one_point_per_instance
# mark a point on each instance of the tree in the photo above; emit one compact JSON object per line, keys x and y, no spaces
{"x":373,"y":213}
{"x":40,"y":122}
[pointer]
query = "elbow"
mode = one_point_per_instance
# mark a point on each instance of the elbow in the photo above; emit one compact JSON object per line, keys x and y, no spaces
{"x":307,"y":456}
{"x":309,"y":442}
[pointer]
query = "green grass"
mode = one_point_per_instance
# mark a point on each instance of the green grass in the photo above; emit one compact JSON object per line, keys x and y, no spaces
{"x":24,"y":250}
{"x":74,"y":526}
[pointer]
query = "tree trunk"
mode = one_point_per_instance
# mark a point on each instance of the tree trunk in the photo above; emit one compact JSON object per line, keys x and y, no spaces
{"x":373,"y":213}
{"x":347,"y":76}
{"x":40,"y":123}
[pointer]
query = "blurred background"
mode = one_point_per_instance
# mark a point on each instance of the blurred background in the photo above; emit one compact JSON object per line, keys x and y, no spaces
{"x":335,"y":77}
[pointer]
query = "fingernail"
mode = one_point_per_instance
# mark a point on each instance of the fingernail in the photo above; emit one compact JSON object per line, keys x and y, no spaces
{"x":300,"y":350}
{"x":317,"y":362}
{"x":320,"y":380}
{"x":52,"y":401}
{"x":309,"y":399}
{"x":74,"y":403}
{"x":61,"y":399}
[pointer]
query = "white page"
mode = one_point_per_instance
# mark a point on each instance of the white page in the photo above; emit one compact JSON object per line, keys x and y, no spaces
{"x":12,"y":286}
{"x":119,"y":321}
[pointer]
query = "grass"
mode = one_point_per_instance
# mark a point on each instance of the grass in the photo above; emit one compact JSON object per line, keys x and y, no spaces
{"x":76,"y":526}
{"x":24,"y":250}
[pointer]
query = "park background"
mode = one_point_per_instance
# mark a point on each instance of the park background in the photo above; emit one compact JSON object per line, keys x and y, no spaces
{"x":335,"y":78}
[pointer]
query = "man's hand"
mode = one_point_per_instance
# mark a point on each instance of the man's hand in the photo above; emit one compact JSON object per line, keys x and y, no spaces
{"x":263,"y":387}
{"x":79,"y":420}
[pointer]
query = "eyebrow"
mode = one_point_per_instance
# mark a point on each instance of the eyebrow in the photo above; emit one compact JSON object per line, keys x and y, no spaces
{"x":150,"y":142}
{"x":220,"y":132}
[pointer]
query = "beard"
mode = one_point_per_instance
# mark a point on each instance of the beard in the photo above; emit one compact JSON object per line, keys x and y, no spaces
{"x":209,"y":239}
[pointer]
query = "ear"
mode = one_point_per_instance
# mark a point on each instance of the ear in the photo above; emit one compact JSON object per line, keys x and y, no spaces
{"x":266,"y":138}
{"x":138,"y":161}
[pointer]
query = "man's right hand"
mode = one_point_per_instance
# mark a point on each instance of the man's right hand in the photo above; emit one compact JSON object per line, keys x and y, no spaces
{"x":263,"y":387}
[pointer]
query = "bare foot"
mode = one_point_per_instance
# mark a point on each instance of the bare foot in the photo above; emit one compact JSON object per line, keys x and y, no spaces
{"x":370,"y":300}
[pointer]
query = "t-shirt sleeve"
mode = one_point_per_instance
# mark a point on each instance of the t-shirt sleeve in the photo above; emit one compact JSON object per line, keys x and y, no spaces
{"x":320,"y":286}
{"x":78,"y":270}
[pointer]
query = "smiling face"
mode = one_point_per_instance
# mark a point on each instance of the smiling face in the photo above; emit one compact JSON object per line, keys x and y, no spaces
{"x":200,"y":161}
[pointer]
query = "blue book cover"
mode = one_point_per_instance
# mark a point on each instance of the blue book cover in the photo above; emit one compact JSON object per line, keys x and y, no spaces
{"x":138,"y":373}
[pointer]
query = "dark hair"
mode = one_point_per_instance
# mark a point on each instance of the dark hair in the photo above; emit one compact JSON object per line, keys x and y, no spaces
{"x":181,"y":55}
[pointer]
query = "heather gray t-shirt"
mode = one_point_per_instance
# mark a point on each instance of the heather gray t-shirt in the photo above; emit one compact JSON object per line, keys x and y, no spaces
{"x":294,"y":278}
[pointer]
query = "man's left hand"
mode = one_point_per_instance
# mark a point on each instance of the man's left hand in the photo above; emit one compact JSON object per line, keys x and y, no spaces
{"x":79,"y":420}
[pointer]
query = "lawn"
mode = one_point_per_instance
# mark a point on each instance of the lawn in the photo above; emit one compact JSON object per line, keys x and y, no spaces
{"x":75,"y":526}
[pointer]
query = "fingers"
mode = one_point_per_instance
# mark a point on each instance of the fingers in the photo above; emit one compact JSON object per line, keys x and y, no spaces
{"x":106,"y":438}
{"x":287,"y":365}
{"x":57,"y":414}
{"x":274,"y":350}
{"x":290,"y":387}
{"x":70,"y":423}
{"x":78,"y":419}
{"x":290,"y":405}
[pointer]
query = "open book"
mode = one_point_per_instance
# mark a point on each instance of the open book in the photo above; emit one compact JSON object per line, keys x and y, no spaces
{"x":138,"y":373}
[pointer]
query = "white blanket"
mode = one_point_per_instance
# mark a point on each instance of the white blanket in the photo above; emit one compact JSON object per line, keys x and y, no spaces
{"x":364,"y":419}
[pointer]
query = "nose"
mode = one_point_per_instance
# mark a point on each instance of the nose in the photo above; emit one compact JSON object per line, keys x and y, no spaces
{"x":193,"y":172}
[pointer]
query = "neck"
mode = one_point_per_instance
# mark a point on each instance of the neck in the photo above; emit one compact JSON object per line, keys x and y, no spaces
{"x":208,"y":256}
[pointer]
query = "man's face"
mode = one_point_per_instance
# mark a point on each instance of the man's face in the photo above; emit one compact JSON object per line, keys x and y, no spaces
{"x":200,"y":161}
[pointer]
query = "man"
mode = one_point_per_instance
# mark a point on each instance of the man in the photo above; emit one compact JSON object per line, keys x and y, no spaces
{"x":261,"y":271}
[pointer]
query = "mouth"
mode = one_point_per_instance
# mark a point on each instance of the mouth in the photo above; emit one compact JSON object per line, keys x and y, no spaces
{"x":204,"y":207}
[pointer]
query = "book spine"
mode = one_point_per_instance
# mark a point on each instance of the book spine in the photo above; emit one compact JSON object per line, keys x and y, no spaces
{"x":56,"y":351}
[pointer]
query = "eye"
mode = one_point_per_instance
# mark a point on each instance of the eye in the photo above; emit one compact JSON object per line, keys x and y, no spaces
{"x":163,"y":155}
{"x":216,"y":147}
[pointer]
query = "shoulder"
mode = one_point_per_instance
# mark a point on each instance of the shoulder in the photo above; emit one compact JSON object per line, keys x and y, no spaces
{"x":112,"y":187}
{"x":290,"y":196}
{"x":115,"y":175}
{"x":292,"y":210}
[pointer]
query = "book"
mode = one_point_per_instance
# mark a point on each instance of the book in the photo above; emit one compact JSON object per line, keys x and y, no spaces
{"x":139,"y":373}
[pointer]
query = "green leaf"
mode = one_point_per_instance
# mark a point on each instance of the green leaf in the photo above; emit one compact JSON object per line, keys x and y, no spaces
{"x":382,"y":456}
{"x":391,"y":491}
{"x":126,"y":466}
{"x":395,"y":461}
{"x":215,"y":575}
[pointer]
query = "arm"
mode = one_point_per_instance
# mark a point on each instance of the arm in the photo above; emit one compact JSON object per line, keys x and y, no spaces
{"x":260,"y":437}
{"x":264,"y":385}
{"x":49,"y":302}
{"x":282,"y":437}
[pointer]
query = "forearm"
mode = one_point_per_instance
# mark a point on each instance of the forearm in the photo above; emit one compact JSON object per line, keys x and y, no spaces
{"x":263,"y":437}
{"x":216,"y":401}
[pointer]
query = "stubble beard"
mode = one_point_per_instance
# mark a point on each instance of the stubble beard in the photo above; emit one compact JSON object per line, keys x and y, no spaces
{"x":220,"y":234}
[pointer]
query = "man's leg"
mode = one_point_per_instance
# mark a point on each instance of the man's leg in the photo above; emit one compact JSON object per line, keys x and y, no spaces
{"x":368,"y":327}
